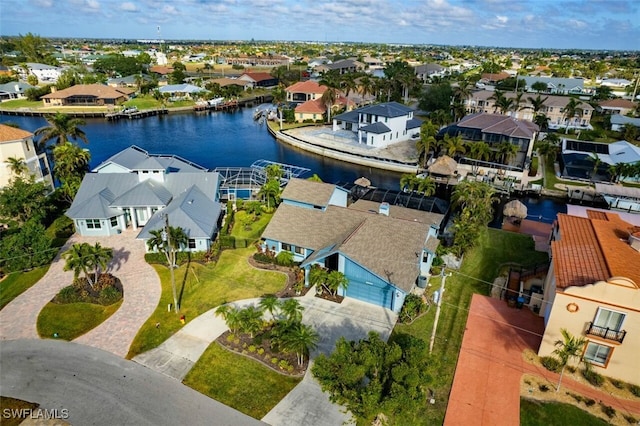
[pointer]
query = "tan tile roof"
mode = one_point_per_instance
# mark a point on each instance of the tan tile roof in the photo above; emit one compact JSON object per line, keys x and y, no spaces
{"x":259,"y":76}
{"x":309,"y":192}
{"x":98,"y":90}
{"x":593,"y":249}
{"x":159,"y":69}
{"x":224,"y":81}
{"x":387,"y":246}
{"x":9,"y":134}
{"x":618,"y":103}
{"x":306,"y":87}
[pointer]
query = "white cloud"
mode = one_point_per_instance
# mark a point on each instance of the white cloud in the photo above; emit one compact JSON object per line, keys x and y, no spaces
{"x":92,"y":4}
{"x":577,"y":24}
{"x":502,"y":19}
{"x":128,"y":7}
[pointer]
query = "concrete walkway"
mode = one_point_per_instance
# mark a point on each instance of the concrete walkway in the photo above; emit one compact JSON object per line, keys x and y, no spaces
{"x":141,"y":286}
{"x":306,"y":403}
{"x":486,"y":385}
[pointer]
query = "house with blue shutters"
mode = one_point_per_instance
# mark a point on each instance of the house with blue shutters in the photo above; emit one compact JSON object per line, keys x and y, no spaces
{"x":382,"y":249}
{"x":380,"y":125}
{"x":135,"y":189}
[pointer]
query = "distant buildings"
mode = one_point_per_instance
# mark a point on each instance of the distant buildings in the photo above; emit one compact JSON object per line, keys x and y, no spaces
{"x":87,"y":95}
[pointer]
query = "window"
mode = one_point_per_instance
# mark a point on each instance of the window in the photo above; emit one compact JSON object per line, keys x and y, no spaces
{"x":597,"y":354}
{"x":114,"y":221}
{"x":93,"y":224}
{"x":192,"y":243}
{"x":609,"y":319}
{"x":286,"y":247}
{"x":299,"y":250}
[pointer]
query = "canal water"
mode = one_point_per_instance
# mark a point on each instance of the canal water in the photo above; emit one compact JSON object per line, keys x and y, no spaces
{"x":234,"y":139}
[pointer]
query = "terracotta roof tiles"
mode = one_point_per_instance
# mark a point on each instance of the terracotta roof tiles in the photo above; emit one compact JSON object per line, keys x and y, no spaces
{"x":9,"y":134}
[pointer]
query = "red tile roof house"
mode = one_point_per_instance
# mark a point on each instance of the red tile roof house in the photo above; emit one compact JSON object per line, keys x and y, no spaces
{"x":303,"y":91}
{"x":593,"y":290}
{"x":87,"y":95}
{"x":259,"y":79}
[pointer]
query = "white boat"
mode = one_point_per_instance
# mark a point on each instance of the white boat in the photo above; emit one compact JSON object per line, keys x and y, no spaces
{"x":620,"y":197}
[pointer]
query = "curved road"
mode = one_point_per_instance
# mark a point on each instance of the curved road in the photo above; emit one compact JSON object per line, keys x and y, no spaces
{"x":61,"y":375}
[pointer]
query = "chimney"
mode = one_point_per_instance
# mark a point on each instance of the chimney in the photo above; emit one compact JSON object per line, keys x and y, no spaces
{"x":384,"y":209}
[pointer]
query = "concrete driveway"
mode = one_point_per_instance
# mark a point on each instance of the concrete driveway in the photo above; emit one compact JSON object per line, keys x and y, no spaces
{"x":306,"y":404}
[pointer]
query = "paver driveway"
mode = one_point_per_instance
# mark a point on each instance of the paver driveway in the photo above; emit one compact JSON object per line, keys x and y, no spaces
{"x":141,"y":296}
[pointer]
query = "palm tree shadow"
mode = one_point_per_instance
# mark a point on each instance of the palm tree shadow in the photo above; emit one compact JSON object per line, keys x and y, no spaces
{"x":120,"y":257}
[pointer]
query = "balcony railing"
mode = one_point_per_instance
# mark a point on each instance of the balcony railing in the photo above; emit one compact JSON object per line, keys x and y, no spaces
{"x":606,"y":333}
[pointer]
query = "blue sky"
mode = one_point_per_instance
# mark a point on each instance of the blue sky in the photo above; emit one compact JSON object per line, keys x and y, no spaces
{"x":585,"y":24}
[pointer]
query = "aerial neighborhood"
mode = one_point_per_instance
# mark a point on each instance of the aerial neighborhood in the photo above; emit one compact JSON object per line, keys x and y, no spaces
{"x":318,"y":233}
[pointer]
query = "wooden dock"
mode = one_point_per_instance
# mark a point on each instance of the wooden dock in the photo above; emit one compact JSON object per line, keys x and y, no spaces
{"x":114,"y":116}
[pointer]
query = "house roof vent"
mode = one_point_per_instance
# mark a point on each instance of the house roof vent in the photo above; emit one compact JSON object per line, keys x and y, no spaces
{"x":384,"y":209}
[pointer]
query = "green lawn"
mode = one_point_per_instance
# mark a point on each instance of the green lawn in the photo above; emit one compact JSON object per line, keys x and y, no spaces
{"x":536,"y":413}
{"x":21,"y":103}
{"x":204,"y":287}
{"x":495,"y":249}
{"x":18,"y":282}
{"x":253,"y":231}
{"x":238,"y":382}
{"x":73,"y":319}
{"x":144,"y":102}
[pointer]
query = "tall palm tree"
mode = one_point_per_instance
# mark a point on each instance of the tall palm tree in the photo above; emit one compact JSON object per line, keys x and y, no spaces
{"x":428,"y":132}
{"x":99,"y":258}
{"x":301,"y":339}
{"x":542,"y":121}
{"x":568,"y":348}
{"x":251,"y":320}
{"x":170,"y":245}
{"x":479,"y":151}
{"x":70,"y":165}
{"x":78,"y":260}
{"x":440,"y":117}
{"x":17,"y":166}
{"x":571,"y":110}
{"x":270,"y":192}
{"x":331,"y":80}
{"x":498,"y":98}
{"x":596,"y":163}
{"x":537,"y":103}
{"x":61,"y":128}
{"x":506,"y":150}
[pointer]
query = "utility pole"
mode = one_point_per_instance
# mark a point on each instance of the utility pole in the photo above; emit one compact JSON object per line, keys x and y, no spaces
{"x":169,"y":250}
{"x":435,"y":322}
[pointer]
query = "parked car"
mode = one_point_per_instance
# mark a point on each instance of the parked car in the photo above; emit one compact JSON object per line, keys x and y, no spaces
{"x":130,"y":110}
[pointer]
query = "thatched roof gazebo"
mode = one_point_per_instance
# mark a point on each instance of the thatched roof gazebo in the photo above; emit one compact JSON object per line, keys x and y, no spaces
{"x":515,"y":208}
{"x":443,"y":166}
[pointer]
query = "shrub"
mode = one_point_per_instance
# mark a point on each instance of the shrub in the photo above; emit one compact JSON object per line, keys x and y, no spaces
{"x":575,"y":396}
{"x":617,"y":383}
{"x":592,"y":377}
{"x":284,"y":258}
{"x":67,"y":295}
{"x":274,"y":360}
{"x":412,"y":307}
{"x":589,"y":402}
{"x":550,"y":363}
{"x":62,"y":227}
{"x":109,"y":296}
{"x":608,"y":410}
{"x":571,"y":369}
{"x":262,"y":258}
{"x":283,"y":364}
{"x":227,"y":241}
{"x":260,"y":351}
{"x":630,"y":419}
{"x":635,"y":389}
{"x":543,"y":388}
{"x":231,"y":337}
{"x":252,"y":348}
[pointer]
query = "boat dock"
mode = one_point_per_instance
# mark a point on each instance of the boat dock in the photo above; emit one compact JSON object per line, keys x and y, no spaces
{"x":114,"y":116}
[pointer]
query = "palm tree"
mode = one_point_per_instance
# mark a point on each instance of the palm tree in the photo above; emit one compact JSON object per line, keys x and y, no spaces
{"x":542,"y":121}
{"x":426,"y":186}
{"x":596,"y":163}
{"x":269,"y":303}
{"x":99,"y":258}
{"x":269,"y":192}
{"x":537,"y":103}
{"x":317,"y":276}
{"x":292,"y":310}
{"x":408,"y":182}
{"x":274,"y":172}
{"x":566,"y":349}
{"x":335,"y":281}
{"x":479,"y":151}
{"x":427,"y":140}
{"x":77,"y":259}
{"x":17,"y":166}
{"x":61,"y":128}
{"x":231,"y":316}
{"x":497,"y":98}
{"x":251,"y":320}
{"x":331,"y":80}
{"x":170,"y":244}
{"x":571,"y":110}
{"x":440,"y":117}
{"x":506,"y":151}
{"x":315,"y":178}
{"x":301,"y":339}
{"x":454,"y":145}
{"x":71,"y":163}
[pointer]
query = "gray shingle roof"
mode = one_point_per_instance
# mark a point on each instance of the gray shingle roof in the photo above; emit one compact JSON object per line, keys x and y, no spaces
{"x":499,"y":124}
{"x":136,"y":158}
{"x":146,"y":193}
{"x":308,"y":192}
{"x":96,"y":194}
{"x":377,"y":128}
{"x":387,"y":109}
{"x":399,"y":212}
{"x":414,"y":123}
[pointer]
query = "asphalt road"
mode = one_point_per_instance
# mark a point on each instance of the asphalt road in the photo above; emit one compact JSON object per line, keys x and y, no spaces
{"x":98,"y":388}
